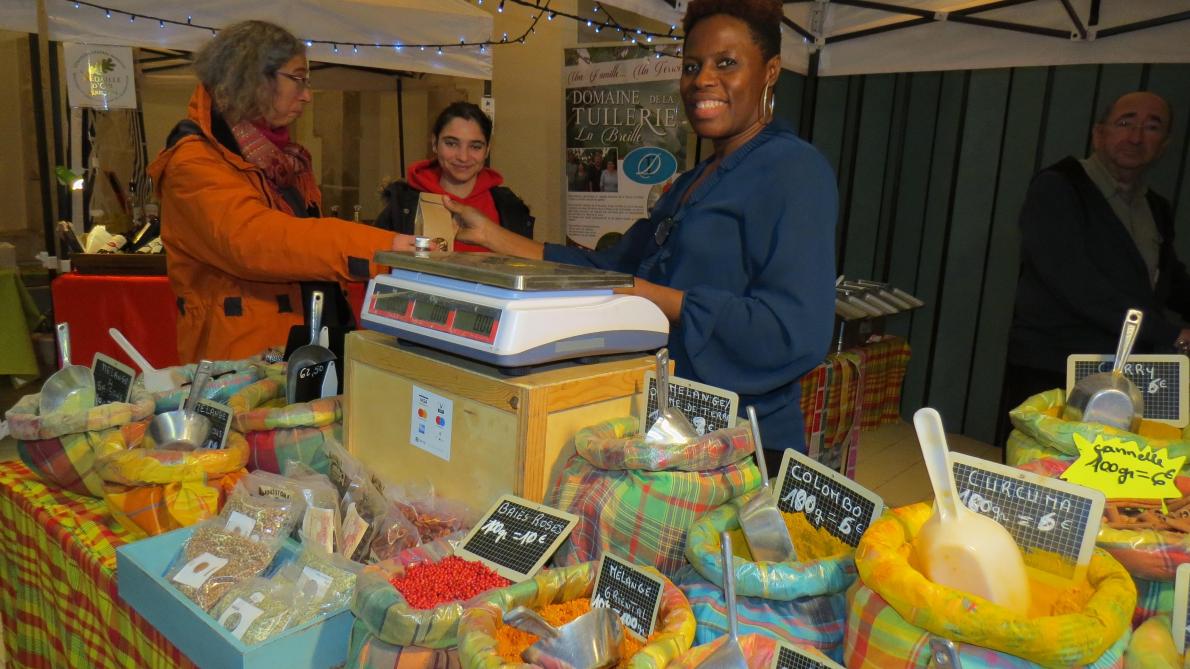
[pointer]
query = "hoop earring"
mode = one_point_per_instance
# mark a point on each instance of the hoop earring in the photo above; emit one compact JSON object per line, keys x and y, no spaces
{"x":768,"y":103}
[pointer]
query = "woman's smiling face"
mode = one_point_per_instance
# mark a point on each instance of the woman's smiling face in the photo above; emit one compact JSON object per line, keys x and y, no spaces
{"x":724,"y":76}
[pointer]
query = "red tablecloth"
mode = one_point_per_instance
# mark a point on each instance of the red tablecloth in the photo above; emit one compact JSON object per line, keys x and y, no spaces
{"x":142,"y":307}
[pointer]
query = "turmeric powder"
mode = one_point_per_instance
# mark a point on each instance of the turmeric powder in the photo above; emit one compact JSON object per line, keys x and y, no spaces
{"x":811,"y":543}
{"x":511,"y":642}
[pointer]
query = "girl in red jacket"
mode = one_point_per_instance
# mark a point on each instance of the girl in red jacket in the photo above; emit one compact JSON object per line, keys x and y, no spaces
{"x":461,"y":138}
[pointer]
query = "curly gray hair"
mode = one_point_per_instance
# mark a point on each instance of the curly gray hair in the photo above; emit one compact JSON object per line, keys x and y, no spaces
{"x":239,"y":65}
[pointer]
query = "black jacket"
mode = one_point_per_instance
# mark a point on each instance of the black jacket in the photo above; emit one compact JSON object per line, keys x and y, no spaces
{"x":1080,"y":271}
{"x":401,"y":208}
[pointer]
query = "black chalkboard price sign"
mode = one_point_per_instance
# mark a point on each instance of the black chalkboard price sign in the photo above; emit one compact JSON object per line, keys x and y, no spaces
{"x":220,"y":417}
{"x":1181,"y":630}
{"x":789,"y":657}
{"x":1161,"y":379}
{"x":827,"y":498}
{"x":708,"y":408}
{"x":113,"y":379}
{"x":515,"y":537}
{"x":1047,"y":517}
{"x":631,"y":591}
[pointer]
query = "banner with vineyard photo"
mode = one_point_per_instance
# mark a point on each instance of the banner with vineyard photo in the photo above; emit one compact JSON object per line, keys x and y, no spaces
{"x":626,"y":138}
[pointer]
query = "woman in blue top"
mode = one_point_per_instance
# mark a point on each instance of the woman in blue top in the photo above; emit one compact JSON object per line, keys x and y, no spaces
{"x":740,"y":253}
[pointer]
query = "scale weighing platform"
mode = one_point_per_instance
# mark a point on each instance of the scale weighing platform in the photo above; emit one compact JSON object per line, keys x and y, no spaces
{"x":509,"y":312}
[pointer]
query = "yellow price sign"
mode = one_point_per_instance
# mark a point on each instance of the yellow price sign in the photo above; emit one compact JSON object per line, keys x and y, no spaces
{"x":1124,"y":469}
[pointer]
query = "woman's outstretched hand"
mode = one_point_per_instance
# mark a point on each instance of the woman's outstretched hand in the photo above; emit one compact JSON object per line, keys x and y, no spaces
{"x":474,"y":227}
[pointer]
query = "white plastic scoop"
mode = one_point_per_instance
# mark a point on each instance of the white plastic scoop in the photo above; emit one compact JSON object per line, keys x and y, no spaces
{"x":155,"y":380}
{"x":957,"y":547}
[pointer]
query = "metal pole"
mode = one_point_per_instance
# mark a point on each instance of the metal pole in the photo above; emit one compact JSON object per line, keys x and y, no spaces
{"x":401,"y":124}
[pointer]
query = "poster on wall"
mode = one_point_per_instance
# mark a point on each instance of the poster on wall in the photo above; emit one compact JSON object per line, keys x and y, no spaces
{"x":625,"y":138}
{"x":100,"y":76}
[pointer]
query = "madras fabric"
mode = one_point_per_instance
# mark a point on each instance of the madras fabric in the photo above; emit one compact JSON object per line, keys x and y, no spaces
{"x":879,"y":638}
{"x":758,"y":651}
{"x":367,"y":652}
{"x":831,"y":404}
{"x":884,"y":363}
{"x":1043,"y":442}
{"x":381,"y":609}
{"x":149,"y":510}
{"x":767,"y":580}
{"x":640,"y":514}
{"x":671,"y":637}
{"x":63,"y":448}
{"x":57,"y":576}
{"x":154,"y":466}
{"x":278,"y":433}
{"x":1153,"y":598}
{"x":920,"y":606}
{"x":228,"y":378}
{"x":807,"y":621}
{"x":1152,"y":646}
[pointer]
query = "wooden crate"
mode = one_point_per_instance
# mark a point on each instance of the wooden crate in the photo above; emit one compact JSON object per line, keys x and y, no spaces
{"x":509,"y":434}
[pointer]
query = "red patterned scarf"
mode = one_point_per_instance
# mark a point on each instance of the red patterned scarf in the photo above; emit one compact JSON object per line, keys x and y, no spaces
{"x":284,"y":162}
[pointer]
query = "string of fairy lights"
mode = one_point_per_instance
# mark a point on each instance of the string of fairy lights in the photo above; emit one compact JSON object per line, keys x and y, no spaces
{"x":659,"y":43}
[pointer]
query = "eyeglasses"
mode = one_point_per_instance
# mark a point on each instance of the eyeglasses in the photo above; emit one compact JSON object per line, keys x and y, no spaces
{"x":302,"y":81}
{"x":665,"y":227}
{"x":1130,"y":124}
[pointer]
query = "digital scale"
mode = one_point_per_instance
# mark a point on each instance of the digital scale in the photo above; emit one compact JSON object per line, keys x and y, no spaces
{"x":509,"y":312}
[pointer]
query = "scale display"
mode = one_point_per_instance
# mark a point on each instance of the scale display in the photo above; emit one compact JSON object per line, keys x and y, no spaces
{"x":435,"y":312}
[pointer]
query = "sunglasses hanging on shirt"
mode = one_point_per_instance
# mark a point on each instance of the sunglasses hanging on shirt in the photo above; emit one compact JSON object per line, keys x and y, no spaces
{"x":665,"y":227}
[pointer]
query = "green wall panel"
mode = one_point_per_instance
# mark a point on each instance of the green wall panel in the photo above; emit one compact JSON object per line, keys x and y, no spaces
{"x":969,"y":229}
{"x":936,"y":221}
{"x":1071,"y":108}
{"x":1017,"y":163}
{"x":932,"y":170}
{"x":867,"y":182}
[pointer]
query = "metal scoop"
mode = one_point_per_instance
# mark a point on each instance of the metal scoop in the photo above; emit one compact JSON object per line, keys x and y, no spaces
{"x":764,"y":526}
{"x":729,"y":655}
{"x":671,"y":426}
{"x":309,"y":355}
{"x":590,"y":641}
{"x":1110,"y":398}
{"x":71,"y":388}
{"x":957,"y":547}
{"x":183,"y":429}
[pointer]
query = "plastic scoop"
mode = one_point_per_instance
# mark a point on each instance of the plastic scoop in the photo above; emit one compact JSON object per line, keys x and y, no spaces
{"x":183,"y":429}
{"x":1110,"y":398}
{"x":729,"y":654}
{"x":957,"y":547}
{"x":590,"y":641}
{"x":671,"y":426}
{"x":71,"y":388}
{"x":156,"y":380}
{"x":309,"y":355}
{"x":764,"y":526}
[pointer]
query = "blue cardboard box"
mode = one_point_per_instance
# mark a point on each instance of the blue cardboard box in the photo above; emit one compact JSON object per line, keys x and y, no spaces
{"x":140,"y":577}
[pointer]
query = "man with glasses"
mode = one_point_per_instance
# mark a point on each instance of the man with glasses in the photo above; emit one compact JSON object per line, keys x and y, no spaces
{"x":1095,"y":242}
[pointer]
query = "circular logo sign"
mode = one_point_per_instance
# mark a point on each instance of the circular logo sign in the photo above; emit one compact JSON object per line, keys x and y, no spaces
{"x":101,"y":77}
{"x":650,"y":165}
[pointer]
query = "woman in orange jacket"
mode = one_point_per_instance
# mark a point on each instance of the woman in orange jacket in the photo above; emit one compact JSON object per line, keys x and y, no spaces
{"x":240,"y":211}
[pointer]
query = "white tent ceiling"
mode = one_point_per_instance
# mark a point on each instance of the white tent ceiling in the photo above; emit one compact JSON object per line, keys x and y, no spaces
{"x":355,"y":26}
{"x":860,"y":36}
